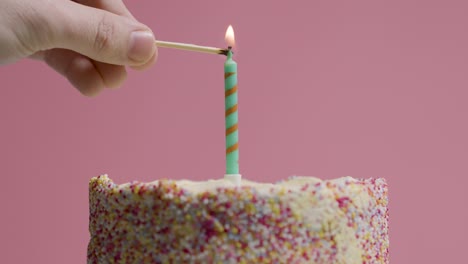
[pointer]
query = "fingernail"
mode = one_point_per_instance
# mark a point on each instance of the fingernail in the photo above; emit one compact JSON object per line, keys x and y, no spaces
{"x":141,"y":46}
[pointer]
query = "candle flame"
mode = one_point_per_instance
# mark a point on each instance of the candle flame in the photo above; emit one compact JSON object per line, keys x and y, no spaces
{"x":230,"y":36}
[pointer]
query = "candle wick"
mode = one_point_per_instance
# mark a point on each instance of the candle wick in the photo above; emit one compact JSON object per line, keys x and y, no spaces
{"x":229,"y":50}
{"x":225,"y":51}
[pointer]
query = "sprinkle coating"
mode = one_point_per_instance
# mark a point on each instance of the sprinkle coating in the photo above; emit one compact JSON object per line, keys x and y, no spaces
{"x":299,"y":220}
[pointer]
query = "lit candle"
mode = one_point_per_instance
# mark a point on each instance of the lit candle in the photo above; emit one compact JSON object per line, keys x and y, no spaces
{"x":230,"y":99}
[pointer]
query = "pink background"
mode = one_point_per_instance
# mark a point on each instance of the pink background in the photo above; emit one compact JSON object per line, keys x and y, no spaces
{"x":327,"y":88}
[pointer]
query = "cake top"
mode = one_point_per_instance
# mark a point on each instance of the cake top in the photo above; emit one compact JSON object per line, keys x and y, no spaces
{"x":293,"y":183}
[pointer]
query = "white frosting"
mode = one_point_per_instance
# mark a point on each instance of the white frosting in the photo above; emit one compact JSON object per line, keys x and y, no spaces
{"x":294,"y":183}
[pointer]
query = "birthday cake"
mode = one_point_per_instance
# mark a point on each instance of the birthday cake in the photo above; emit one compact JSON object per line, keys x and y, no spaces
{"x":299,"y":220}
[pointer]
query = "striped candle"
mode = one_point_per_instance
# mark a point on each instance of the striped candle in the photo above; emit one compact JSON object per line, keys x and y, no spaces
{"x":230,"y":100}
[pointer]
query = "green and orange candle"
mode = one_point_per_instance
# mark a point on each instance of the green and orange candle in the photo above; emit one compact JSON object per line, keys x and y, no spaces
{"x":231,"y":115}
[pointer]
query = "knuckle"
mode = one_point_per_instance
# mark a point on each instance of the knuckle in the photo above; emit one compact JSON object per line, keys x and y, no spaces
{"x":104,"y":33}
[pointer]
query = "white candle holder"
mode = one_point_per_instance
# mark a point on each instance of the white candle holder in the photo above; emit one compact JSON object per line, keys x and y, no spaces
{"x":234,"y":178}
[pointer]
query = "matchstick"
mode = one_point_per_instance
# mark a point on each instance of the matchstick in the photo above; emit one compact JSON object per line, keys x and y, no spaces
{"x":190,"y":47}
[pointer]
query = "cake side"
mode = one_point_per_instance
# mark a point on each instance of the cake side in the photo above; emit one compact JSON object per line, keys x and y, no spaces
{"x":367,"y":215}
{"x":301,"y":220}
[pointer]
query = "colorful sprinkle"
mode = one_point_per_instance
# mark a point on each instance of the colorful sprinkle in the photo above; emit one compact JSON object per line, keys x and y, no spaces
{"x":300,"y":220}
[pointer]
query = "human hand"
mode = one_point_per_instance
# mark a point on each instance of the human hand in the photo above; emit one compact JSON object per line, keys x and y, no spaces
{"x":88,"y":41}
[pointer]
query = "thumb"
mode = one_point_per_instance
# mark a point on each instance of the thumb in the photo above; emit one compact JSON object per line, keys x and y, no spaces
{"x":101,"y":35}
